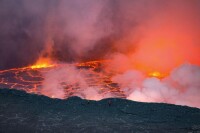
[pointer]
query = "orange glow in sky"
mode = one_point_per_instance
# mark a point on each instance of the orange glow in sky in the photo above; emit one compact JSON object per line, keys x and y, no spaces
{"x":167,"y":43}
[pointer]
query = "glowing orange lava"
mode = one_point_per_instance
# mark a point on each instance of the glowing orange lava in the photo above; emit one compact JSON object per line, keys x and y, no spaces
{"x":43,"y":63}
{"x":37,"y":66}
{"x":30,"y":79}
{"x":156,"y":74}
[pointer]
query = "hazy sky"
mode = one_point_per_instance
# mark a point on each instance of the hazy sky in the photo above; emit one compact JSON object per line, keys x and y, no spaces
{"x":94,"y":29}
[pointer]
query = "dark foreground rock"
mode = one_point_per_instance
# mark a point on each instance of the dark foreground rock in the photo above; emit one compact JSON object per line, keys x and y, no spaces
{"x":27,"y":113}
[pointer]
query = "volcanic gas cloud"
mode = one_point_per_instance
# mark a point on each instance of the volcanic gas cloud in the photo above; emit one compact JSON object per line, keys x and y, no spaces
{"x":143,"y":50}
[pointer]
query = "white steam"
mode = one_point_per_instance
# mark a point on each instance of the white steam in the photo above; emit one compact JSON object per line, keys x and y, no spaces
{"x":181,"y":87}
{"x":66,"y":79}
{"x":56,"y":79}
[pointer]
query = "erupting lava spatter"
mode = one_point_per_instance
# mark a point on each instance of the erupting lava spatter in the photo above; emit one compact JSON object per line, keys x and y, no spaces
{"x":42,"y":63}
{"x":156,"y":74}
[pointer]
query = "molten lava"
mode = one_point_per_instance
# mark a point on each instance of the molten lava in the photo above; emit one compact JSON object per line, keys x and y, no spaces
{"x":156,"y":74}
{"x":42,"y":63}
{"x":30,"y":79}
{"x":37,"y":66}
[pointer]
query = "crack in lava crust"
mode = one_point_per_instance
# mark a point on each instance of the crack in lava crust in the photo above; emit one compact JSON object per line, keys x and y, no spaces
{"x":30,"y":80}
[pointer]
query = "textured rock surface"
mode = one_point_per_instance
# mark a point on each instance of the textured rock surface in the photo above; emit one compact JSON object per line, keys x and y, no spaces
{"x":22,"y":112}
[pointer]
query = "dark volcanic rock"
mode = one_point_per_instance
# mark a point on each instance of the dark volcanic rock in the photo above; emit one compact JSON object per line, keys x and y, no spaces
{"x":22,"y":112}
